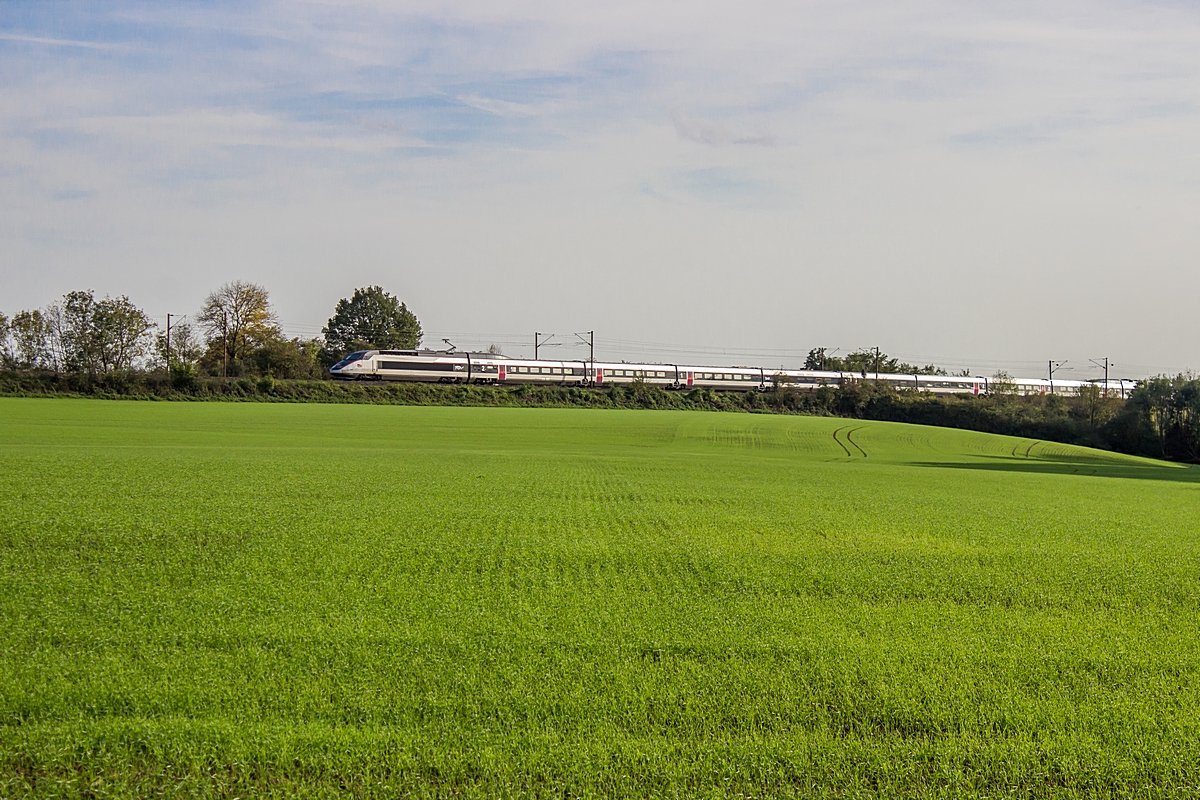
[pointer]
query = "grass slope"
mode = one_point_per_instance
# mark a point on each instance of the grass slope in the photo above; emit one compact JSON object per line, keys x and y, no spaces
{"x":224,"y":600}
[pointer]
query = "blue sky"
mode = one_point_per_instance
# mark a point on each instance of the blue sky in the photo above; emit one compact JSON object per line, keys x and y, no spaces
{"x":980,"y":186}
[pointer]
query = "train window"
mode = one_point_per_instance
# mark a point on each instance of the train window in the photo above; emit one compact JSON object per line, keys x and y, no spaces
{"x":523,"y":369}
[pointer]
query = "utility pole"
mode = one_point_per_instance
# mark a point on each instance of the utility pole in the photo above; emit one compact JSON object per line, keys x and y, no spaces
{"x":168,"y":342}
{"x":1105,"y":365}
{"x":225,"y":343}
{"x":538,"y":341}
{"x":876,"y":363}
{"x":1051,"y":366}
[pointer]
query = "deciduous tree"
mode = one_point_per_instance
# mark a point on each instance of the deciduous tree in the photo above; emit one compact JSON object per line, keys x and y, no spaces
{"x":90,"y":335}
{"x":121,"y":334}
{"x":238,"y":319}
{"x":371,"y":319}
{"x":7,"y":356}
{"x":31,"y":346}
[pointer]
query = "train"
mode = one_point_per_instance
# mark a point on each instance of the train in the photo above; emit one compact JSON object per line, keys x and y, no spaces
{"x":453,"y":366}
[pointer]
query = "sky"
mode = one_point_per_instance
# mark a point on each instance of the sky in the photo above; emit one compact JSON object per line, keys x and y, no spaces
{"x":978,"y":185}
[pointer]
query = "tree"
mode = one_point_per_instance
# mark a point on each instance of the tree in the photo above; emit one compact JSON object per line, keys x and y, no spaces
{"x":1098,"y":408}
{"x":284,"y":358}
{"x":90,"y":335}
{"x":7,"y":356}
{"x":238,"y":319}
{"x":817,"y":359}
{"x":30,"y":332}
{"x":1002,"y":384}
{"x":70,"y":323}
{"x":120,"y":334}
{"x":371,"y":319}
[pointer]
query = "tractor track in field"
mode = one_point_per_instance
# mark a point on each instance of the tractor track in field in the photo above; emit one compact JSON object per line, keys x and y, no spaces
{"x":845,"y":449}
{"x":848,"y":430}
{"x":1017,"y":446}
{"x":854,"y":443}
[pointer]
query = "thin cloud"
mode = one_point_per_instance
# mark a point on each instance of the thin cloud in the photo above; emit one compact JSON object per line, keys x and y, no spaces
{"x":704,"y":132}
{"x":501,"y":108}
{"x":16,"y":37}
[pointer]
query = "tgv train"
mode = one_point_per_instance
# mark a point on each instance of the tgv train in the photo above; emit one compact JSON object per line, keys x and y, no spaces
{"x":449,"y":366}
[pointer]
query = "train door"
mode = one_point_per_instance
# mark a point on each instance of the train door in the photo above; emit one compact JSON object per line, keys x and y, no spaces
{"x":500,"y":372}
{"x":599,"y":374}
{"x":691,"y":377}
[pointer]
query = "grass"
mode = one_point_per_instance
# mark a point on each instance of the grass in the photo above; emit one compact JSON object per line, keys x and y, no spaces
{"x":252,"y":599}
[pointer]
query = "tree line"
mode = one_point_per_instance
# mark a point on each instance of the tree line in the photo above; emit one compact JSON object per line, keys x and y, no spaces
{"x":235,"y":334}
{"x":866,"y":361}
{"x":82,"y":344}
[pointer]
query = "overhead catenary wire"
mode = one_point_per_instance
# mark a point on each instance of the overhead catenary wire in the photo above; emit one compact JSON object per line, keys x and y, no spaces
{"x":617,"y":349}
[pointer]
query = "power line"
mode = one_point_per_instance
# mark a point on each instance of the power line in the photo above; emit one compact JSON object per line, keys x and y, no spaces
{"x":619,"y":348}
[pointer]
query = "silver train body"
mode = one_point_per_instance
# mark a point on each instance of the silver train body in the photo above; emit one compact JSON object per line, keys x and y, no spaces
{"x":440,"y":366}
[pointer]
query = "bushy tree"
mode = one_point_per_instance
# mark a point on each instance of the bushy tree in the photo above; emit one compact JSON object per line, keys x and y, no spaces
{"x":31,"y":341}
{"x":238,"y":320}
{"x":96,"y":336}
{"x":121,"y":334}
{"x":866,"y":361}
{"x":1002,"y":385}
{"x":817,"y":359}
{"x":371,"y":319}
{"x":1161,"y":418}
{"x":288,"y":358}
{"x":7,"y":356}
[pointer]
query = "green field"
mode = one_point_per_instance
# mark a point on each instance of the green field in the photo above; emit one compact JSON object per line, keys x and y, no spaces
{"x":222,"y":599}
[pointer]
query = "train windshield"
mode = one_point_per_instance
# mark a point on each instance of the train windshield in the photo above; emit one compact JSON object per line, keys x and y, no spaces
{"x":350,"y":359}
